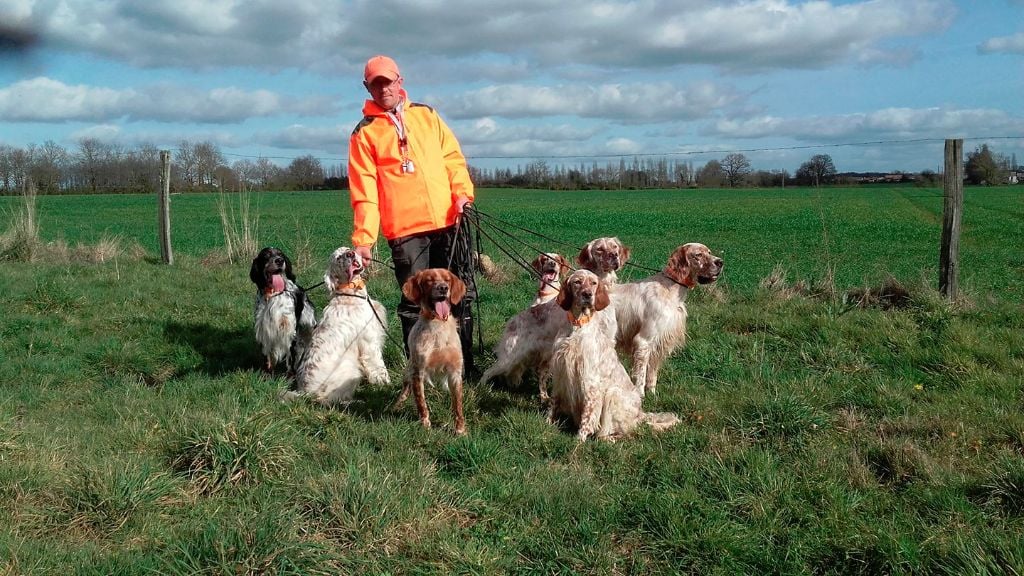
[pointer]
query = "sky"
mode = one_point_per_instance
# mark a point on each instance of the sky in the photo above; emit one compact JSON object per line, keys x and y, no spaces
{"x":877,"y":85}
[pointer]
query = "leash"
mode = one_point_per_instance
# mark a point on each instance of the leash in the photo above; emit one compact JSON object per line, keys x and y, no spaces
{"x":462,"y":263}
{"x":506,"y":248}
{"x":380,"y":320}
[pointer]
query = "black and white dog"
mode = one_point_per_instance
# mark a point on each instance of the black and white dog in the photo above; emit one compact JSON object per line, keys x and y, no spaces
{"x":283,"y":316}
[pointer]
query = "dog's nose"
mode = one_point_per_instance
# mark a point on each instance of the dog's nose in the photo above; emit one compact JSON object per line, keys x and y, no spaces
{"x":278,"y":260}
{"x":717,"y":262}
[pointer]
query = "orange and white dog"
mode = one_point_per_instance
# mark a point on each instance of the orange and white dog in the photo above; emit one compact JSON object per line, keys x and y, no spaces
{"x":347,"y":345}
{"x":589,"y":383}
{"x":435,"y":351}
{"x":651,"y":313}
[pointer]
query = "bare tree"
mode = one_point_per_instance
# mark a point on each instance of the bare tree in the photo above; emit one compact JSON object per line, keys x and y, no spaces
{"x":267,"y":174}
{"x":186,"y":164}
{"x":49,"y":164}
{"x":91,"y":157}
{"x":6,"y":169}
{"x":711,"y":175}
{"x":306,"y":172}
{"x":208,"y":158}
{"x":816,"y":171}
{"x":736,"y":168}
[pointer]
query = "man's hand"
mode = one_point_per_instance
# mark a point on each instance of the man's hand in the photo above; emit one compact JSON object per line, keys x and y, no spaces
{"x":460,"y":203}
{"x":366,"y":253}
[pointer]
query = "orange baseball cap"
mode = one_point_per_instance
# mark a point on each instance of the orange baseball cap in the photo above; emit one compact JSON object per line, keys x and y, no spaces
{"x":380,"y":66}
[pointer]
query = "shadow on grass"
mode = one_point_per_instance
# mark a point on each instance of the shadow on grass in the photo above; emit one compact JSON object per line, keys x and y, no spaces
{"x":222,"y":351}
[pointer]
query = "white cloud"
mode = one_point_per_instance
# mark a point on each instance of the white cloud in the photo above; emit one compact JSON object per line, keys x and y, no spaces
{"x":101,"y":132}
{"x":900,"y":123}
{"x":329,"y":139}
{"x":43,"y":99}
{"x":1003,"y":45}
{"x":337,"y":36}
{"x":647,"y":102}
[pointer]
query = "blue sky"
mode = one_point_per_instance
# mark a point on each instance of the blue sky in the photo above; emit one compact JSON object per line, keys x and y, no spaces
{"x":566,"y":82}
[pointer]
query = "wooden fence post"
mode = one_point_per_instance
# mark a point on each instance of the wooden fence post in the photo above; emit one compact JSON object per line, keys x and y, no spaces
{"x":952,"y":209}
{"x":164,"y":207}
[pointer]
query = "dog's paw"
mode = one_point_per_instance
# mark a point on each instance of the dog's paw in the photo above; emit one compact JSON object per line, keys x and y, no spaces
{"x":378,"y":377}
{"x":289,"y":395}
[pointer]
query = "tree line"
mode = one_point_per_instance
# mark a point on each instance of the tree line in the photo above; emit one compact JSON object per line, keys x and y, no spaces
{"x":95,"y":166}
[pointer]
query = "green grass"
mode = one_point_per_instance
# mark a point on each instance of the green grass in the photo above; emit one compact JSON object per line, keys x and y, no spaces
{"x":138,"y":436}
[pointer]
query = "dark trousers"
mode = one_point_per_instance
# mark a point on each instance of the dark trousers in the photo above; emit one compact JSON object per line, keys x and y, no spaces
{"x":411,"y":254}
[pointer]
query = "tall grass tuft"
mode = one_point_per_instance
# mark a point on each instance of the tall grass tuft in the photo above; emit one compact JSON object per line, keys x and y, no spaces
{"x":107,"y":499}
{"x":240,"y":223}
{"x":1004,"y":488}
{"x":20,"y":242}
{"x":244,"y":453}
{"x":268,"y":543}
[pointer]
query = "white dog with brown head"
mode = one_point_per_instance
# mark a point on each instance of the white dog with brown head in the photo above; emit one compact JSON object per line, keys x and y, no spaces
{"x":347,"y":346}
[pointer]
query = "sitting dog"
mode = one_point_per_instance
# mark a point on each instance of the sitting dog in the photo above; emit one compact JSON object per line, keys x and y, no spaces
{"x":651,"y":313}
{"x":347,"y":346}
{"x":604,"y":257}
{"x":550,"y":268}
{"x":283,"y":316}
{"x":435,"y":351}
{"x":527,"y":338}
{"x":589,"y":383}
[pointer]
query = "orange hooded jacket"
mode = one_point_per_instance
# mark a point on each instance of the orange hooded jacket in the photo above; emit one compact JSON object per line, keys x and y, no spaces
{"x":398,"y":202}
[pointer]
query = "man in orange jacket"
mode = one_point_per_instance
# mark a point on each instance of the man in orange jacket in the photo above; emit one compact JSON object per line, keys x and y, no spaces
{"x":408,"y":178}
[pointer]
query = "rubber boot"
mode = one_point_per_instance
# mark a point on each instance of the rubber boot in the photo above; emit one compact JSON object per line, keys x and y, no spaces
{"x":466,"y":337}
{"x":407,"y":324}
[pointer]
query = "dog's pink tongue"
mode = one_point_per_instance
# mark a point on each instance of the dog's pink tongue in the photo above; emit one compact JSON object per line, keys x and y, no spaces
{"x":277,"y":282}
{"x":549,"y":276}
{"x":442,"y":309}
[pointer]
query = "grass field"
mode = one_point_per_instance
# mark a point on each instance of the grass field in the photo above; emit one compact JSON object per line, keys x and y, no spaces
{"x":138,"y":436}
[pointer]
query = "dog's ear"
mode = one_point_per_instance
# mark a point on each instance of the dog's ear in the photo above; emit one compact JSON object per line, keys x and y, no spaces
{"x":585,"y":259}
{"x":537,"y":263}
{"x":564,"y":297}
{"x":623,"y":253}
{"x":411,"y":288}
{"x":563,"y":266}
{"x":288,"y":273}
{"x":678,"y":267}
{"x":601,"y":298}
{"x":256,"y":272}
{"x":456,"y":288}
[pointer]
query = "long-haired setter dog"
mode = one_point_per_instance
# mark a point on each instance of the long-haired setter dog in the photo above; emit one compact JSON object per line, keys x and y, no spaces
{"x":651,"y":313}
{"x":435,"y":351}
{"x":283,"y":316}
{"x":589,"y":383}
{"x":348,"y":343}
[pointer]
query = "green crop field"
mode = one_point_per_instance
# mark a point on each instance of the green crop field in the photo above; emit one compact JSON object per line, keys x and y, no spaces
{"x":860,"y":235}
{"x":824,"y":432}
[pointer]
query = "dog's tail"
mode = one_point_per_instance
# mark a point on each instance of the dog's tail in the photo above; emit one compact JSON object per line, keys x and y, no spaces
{"x":659,"y":421}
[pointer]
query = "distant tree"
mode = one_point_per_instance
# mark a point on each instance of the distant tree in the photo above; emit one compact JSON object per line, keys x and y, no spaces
{"x":186,"y":165}
{"x":92,"y":158}
{"x":266,"y":174}
{"x":927,"y":178}
{"x":737,"y":168}
{"x":49,"y":163}
{"x":7,"y":176}
{"x":985,"y":167}
{"x":816,"y":171}
{"x":711,"y":175}
{"x":306,"y":172}
{"x":208,"y":158}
